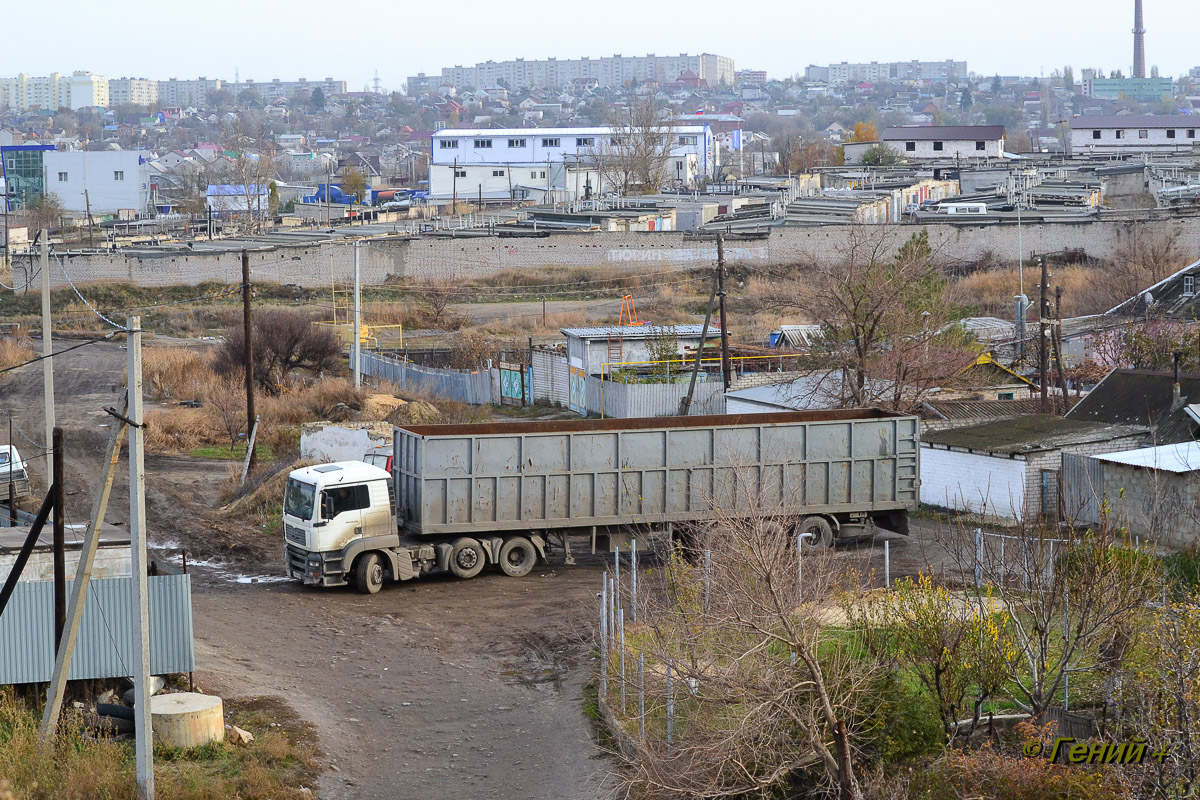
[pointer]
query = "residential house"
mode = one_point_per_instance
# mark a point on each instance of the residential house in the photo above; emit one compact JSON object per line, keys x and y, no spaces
{"x":946,"y":141}
{"x":1133,"y":134}
{"x":1167,"y":404}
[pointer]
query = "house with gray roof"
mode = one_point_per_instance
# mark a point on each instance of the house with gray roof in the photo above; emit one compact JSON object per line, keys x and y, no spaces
{"x":946,"y":141}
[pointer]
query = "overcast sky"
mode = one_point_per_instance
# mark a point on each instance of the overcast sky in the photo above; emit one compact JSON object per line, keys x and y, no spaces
{"x":351,"y":41}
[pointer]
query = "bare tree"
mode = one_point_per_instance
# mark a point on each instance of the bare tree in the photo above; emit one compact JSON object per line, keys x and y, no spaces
{"x":252,"y":170}
{"x":284,"y":341}
{"x":436,"y":295}
{"x":227,"y":399}
{"x":45,"y":211}
{"x":633,"y":159}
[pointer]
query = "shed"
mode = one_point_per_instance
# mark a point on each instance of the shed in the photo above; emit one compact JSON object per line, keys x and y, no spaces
{"x":1154,"y":492}
{"x":1010,"y":469}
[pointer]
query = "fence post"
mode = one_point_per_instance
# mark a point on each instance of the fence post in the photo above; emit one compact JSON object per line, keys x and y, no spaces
{"x":633,"y":580}
{"x":887,"y":565}
{"x":617,"y":574}
{"x":604,"y":640}
{"x":621,"y":636}
{"x":978,"y":557}
{"x":642,"y":696}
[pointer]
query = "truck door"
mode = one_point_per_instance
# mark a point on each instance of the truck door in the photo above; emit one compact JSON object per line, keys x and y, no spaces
{"x":343,"y":505}
{"x":377,"y":515}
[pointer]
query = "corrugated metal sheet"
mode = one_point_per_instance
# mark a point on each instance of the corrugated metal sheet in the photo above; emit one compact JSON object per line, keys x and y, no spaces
{"x":105,"y":644}
{"x":550,"y":377}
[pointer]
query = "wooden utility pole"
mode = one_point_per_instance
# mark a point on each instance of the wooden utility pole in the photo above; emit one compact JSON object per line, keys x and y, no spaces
{"x":12,"y":500}
{"x":60,"y":539}
{"x":247,"y":334}
{"x":1058,"y":346}
{"x":1044,"y":335}
{"x":47,"y":341}
{"x":725,"y":367}
{"x":685,"y":403}
{"x":144,"y":746}
{"x":83,"y":577}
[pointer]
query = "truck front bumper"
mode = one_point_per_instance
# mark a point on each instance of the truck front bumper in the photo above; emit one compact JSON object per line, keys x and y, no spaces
{"x":315,"y":569}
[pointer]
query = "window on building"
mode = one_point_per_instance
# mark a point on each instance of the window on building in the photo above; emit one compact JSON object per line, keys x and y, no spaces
{"x":679,"y":166}
{"x":1143,"y":134}
{"x":981,"y":146}
{"x":118,"y":175}
{"x":585,"y":141}
{"x":516,"y":142}
{"x":533,"y":173}
{"x":1005,"y":395}
{"x":1095,"y":134}
{"x":542,"y":174}
{"x":550,"y":143}
{"x":937,"y":145}
{"x":1189,"y":284}
{"x":460,"y":173}
{"x":62,"y":177}
{"x":910,"y":147}
{"x":1191,"y":133}
{"x":685,"y":140}
{"x":1119,"y":134}
{"x":614,"y":141}
{"x":1170,"y":133}
{"x":481,"y":144}
{"x":448,"y":144}
{"x":497,"y":173}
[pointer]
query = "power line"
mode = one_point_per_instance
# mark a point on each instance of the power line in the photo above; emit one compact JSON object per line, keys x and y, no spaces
{"x":64,"y":350}
{"x":63,"y":269}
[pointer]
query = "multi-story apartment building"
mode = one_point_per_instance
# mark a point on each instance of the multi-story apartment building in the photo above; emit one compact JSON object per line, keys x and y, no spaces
{"x":53,"y":91}
{"x":756,"y":76}
{"x":178,"y":93}
{"x":276,"y":88}
{"x":614,"y":70}
{"x":900,"y":71}
{"x":132,"y":91}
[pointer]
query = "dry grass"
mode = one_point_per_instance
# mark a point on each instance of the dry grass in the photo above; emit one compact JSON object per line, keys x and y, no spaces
{"x":276,"y":764}
{"x":15,"y":349}
{"x":180,"y":430}
{"x":177,"y":373}
{"x":991,"y":293}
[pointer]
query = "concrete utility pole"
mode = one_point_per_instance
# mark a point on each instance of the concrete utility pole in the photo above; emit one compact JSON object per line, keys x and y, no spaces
{"x":356,"y":341}
{"x":247,"y":333}
{"x":140,"y":658}
{"x":47,"y":340}
{"x":1058,"y":347}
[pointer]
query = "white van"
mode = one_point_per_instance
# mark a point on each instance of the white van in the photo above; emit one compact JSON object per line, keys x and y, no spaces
{"x":977,"y":209}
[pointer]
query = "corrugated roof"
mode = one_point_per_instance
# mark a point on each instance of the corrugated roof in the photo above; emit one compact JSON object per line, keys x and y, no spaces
{"x":1141,"y":397}
{"x":974,"y":409}
{"x":944,"y":133}
{"x":1030,"y":434}
{"x":1178,"y":458}
{"x":639,"y":331}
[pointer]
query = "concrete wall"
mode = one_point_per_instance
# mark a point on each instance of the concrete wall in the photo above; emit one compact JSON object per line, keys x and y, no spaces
{"x":311,"y":265}
{"x":988,"y":485}
{"x":111,"y":562}
{"x":1154,"y":504}
{"x":330,"y":441}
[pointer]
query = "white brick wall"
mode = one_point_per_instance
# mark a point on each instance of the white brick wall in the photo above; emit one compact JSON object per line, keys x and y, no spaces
{"x":982,"y":484}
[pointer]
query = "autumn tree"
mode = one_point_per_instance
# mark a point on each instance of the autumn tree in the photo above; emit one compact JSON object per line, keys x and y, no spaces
{"x":633,"y":158}
{"x":45,"y":211}
{"x":354,"y":183}
{"x":865,"y":132}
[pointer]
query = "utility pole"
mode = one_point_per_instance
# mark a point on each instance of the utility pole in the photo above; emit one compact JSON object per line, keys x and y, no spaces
{"x":454,"y":188}
{"x":12,"y":501}
{"x":725,"y":371}
{"x":356,"y":341}
{"x":1043,"y":335}
{"x":60,"y":541}
{"x":47,"y":340}
{"x":685,"y":404}
{"x":247,"y":335}
{"x":1058,"y":346}
{"x":144,"y":747}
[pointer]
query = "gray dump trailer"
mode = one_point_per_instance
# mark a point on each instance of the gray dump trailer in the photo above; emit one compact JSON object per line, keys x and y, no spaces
{"x":466,"y":496}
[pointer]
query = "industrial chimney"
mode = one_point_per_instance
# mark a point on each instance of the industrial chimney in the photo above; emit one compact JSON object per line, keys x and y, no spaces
{"x":1139,"y":41}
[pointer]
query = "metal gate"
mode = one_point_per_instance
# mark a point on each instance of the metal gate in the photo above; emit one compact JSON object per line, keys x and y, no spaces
{"x":1082,"y":488}
{"x":512,"y":384}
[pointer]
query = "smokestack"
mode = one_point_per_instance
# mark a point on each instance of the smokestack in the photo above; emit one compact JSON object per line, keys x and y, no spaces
{"x":1139,"y":41}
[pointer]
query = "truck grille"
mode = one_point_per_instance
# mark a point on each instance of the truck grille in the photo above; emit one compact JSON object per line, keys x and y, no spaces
{"x":296,"y":560}
{"x":296,"y":535}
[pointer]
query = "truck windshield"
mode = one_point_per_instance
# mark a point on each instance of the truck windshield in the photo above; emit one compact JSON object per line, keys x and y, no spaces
{"x":298,"y":499}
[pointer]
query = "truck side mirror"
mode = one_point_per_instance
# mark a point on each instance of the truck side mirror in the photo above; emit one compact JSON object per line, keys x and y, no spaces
{"x":326,"y":507}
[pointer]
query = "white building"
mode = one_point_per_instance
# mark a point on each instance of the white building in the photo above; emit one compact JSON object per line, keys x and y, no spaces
{"x":176,"y":93}
{"x":550,"y":164}
{"x":949,"y":142}
{"x":132,"y":91}
{"x":107,"y":182}
{"x":87,"y":91}
{"x":275,"y":88}
{"x":614,"y":71}
{"x":25,"y":92}
{"x":1127,"y":134}
{"x":900,"y":71}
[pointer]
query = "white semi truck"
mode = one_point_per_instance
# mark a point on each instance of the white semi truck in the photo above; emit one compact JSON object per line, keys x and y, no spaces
{"x":459,"y":498}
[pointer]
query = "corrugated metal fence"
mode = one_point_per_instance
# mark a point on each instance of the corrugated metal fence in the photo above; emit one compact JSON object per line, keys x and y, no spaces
{"x":1082,"y":486}
{"x":627,"y":400}
{"x":465,"y":386}
{"x":105,"y":644}
{"x":551,"y":379}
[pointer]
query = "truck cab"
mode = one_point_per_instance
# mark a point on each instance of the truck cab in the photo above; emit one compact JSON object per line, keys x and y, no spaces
{"x":332,"y":514}
{"x":13,"y":469}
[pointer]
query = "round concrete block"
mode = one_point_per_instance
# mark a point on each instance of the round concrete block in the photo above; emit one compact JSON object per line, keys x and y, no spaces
{"x":186,"y":719}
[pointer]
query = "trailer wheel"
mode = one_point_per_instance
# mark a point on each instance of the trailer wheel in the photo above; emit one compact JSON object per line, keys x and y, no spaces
{"x":368,"y":576}
{"x":819,"y":530}
{"x":517,"y":557}
{"x":466,"y":558}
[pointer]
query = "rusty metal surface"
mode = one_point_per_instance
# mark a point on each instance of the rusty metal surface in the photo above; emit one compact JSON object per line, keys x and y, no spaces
{"x":545,"y":475}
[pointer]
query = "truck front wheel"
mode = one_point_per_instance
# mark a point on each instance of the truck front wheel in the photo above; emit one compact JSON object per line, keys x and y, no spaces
{"x":820,"y":532}
{"x":368,"y":576}
{"x":517,"y":557}
{"x":467,"y":558}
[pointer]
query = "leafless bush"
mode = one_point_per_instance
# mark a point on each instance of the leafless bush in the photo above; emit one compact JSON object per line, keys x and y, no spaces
{"x":285,"y":341}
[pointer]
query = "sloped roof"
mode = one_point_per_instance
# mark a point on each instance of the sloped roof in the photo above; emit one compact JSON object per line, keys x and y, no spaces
{"x":979,"y":409}
{"x":1032,"y":434}
{"x":1178,"y":458}
{"x":1142,"y":397}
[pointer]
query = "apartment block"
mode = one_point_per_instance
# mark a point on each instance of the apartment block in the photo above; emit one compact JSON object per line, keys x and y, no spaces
{"x":616,"y":70}
{"x":900,"y":71}
{"x":178,"y":93}
{"x":275,"y":88}
{"x":132,"y":91}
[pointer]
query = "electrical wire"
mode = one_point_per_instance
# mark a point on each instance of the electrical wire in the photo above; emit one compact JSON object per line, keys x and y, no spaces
{"x":81,"y":297}
{"x":66,"y":350}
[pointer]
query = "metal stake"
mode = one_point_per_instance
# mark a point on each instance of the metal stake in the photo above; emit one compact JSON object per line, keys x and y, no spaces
{"x":604,"y":640}
{"x":887,"y":565}
{"x":621,"y":636}
{"x":642,"y":696}
{"x":633,"y":581}
{"x":670,"y":707}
